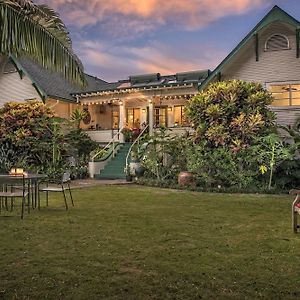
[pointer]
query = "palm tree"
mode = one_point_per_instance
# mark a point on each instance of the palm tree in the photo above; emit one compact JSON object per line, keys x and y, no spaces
{"x":38,"y":32}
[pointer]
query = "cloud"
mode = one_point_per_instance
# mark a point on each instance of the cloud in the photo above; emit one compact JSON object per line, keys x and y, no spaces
{"x":118,"y":62}
{"x":192,"y":14}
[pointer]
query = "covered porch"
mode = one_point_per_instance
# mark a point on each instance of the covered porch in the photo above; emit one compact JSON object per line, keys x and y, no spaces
{"x":107,"y":117}
{"x":141,"y":100}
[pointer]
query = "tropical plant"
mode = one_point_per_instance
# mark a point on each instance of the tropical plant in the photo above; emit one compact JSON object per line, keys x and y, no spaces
{"x":231,"y":113}
{"x":10,"y":157}
{"x":271,"y":152}
{"x":77,"y":117}
{"x":164,"y":155}
{"x":37,"y":31}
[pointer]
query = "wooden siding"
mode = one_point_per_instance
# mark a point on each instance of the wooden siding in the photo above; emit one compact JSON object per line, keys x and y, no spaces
{"x":60,"y":108}
{"x":13,"y":88}
{"x":273,"y":66}
{"x":287,"y":115}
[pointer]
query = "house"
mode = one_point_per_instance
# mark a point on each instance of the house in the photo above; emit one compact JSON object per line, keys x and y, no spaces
{"x":22,"y":79}
{"x":269,"y":54}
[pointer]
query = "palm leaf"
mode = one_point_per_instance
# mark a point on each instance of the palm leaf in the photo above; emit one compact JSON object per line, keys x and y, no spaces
{"x":37,"y":31}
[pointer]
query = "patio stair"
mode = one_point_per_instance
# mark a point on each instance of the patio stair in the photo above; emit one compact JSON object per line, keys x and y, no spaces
{"x":115,"y":168}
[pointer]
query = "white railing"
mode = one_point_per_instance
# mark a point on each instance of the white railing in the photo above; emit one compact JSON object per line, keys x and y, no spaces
{"x":137,"y":140}
{"x":108,"y":145}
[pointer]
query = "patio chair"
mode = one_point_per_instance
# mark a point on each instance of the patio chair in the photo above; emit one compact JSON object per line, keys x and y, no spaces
{"x":8,"y":191}
{"x":61,"y":186}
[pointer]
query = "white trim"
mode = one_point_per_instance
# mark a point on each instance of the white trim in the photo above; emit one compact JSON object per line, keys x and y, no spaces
{"x":278,"y":34}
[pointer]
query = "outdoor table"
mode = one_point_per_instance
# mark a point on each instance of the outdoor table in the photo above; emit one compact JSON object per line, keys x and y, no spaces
{"x":33,"y":186}
{"x":33,"y":181}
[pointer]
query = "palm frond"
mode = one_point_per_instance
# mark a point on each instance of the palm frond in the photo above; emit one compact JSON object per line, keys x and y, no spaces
{"x":37,"y":31}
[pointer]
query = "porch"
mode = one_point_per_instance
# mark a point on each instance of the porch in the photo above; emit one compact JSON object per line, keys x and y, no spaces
{"x":106,"y":118}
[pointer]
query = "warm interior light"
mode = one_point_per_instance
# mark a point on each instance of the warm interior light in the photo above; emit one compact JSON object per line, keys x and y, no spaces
{"x":143,"y":110}
{"x":16,"y":171}
{"x":170,"y":108}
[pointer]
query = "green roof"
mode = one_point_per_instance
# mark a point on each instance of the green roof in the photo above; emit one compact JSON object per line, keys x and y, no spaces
{"x":275,"y":14}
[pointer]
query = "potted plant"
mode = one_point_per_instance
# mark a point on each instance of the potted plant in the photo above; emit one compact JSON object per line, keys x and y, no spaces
{"x":127,"y":133}
{"x":128,"y":173}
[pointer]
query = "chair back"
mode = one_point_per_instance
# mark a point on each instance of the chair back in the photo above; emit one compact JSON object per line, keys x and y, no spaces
{"x":66,"y":177}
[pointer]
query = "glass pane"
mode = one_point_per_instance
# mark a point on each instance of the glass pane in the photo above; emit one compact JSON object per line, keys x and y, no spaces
{"x":295,"y":89}
{"x":115,"y":120}
{"x":136,"y":117}
{"x":130,"y":117}
{"x":279,"y":88}
{"x":178,"y":116}
{"x":281,"y":94}
{"x":160,"y":116}
{"x":133,"y":117}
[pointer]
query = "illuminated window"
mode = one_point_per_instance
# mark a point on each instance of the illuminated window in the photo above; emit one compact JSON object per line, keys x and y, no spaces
{"x":179,"y":118}
{"x":115,"y":120}
{"x":160,"y":116}
{"x":285,"y":94}
{"x":133,"y":117}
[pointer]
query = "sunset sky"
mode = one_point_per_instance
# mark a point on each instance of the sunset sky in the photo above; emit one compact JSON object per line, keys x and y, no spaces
{"x":118,"y":38}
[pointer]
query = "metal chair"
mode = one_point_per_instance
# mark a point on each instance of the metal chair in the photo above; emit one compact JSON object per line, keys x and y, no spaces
{"x":60,"y":186}
{"x":8,"y":191}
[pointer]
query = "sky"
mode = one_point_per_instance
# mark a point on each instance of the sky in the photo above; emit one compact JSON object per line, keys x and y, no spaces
{"x":118,"y":38}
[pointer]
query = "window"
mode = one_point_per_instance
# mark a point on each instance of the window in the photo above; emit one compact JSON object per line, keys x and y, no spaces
{"x":179,"y":118}
{"x":277,"y":42}
{"x":160,"y":116}
{"x":133,"y":117}
{"x":285,"y":94}
{"x":115,"y":119}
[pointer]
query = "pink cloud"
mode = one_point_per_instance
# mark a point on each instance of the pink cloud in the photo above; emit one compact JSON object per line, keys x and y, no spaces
{"x":122,"y":61}
{"x":192,"y":14}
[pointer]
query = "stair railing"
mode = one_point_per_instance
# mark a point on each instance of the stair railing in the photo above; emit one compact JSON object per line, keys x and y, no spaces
{"x":112,"y":141}
{"x":137,"y":140}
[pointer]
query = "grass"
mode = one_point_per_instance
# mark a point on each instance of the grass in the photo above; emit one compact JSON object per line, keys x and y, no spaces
{"x":143,"y":243}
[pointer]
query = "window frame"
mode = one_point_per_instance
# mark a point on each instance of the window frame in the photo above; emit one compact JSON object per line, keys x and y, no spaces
{"x":183,"y":124}
{"x":289,"y":83}
{"x":279,"y":34}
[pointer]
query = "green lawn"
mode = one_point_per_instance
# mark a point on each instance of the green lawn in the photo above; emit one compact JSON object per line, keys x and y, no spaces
{"x":143,"y":243}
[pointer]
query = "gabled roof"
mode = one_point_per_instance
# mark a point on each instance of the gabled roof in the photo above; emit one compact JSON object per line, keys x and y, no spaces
{"x":54,"y":85}
{"x":275,"y":14}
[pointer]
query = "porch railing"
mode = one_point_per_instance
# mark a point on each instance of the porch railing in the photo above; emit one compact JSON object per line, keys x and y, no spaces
{"x":137,"y":141}
{"x":112,"y":142}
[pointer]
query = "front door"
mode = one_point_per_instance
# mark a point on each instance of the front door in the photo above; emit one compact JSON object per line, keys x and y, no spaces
{"x":161,"y":116}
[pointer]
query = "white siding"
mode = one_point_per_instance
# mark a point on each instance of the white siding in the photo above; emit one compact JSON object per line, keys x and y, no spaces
{"x":287,"y":115}
{"x":273,"y":66}
{"x":13,"y":88}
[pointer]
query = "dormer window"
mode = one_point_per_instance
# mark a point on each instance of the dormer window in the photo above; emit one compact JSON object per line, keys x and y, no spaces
{"x":277,"y":42}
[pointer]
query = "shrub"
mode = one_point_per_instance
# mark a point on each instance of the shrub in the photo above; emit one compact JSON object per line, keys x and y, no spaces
{"x":229,"y":119}
{"x":231,"y":113}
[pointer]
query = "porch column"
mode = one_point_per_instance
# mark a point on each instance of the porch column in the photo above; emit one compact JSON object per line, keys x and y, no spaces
{"x":151,"y":116}
{"x":122,"y":118}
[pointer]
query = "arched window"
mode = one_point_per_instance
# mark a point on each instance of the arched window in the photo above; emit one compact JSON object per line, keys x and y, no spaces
{"x":277,"y":42}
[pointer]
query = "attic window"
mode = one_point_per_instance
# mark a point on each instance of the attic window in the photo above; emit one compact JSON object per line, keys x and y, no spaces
{"x":277,"y":42}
